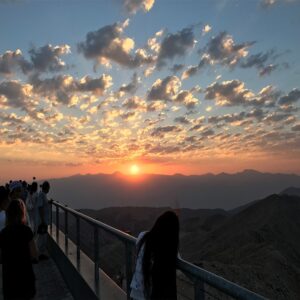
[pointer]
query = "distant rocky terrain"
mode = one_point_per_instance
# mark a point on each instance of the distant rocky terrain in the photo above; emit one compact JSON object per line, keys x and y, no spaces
{"x":226,"y":191}
{"x":256,"y":246}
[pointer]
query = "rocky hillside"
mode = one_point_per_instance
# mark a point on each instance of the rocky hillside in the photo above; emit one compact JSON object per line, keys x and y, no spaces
{"x":259,"y":247}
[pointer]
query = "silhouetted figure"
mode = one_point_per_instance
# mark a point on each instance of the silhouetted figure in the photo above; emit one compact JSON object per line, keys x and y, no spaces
{"x":157,"y":250}
{"x":4,"y":201}
{"x":18,"y":250}
{"x":31,"y":205}
{"x":15,"y":188}
{"x":43,"y":207}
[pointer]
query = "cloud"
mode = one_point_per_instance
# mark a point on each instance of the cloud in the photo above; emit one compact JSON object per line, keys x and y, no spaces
{"x":176,"y":68}
{"x":47,"y":58}
{"x":296,"y":127}
{"x":268,"y":3}
{"x":193,"y":70}
{"x":64,"y":88}
{"x":95,"y":85}
{"x":132,"y":6}
{"x":264,"y":62}
{"x":11,"y":61}
{"x":267,"y":70}
{"x":176,"y":45}
{"x":223,"y":50}
{"x":16,"y":94}
{"x":292,"y":97}
{"x":43,"y":59}
{"x":108,"y":44}
{"x":161,"y":131}
{"x":228,"y":93}
{"x":135,"y":103}
{"x":187,"y":98}
{"x":272,"y":3}
{"x":165,"y":89}
{"x":182,"y":120}
{"x":206,"y":29}
{"x":131,"y":87}
{"x":233,"y":92}
{"x":156,"y":106}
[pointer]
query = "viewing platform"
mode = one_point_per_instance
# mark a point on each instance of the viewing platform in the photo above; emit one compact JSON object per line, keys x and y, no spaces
{"x":76,"y":270}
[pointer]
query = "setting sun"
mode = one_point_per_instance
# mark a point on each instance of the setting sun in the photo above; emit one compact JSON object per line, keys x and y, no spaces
{"x":134,"y":170}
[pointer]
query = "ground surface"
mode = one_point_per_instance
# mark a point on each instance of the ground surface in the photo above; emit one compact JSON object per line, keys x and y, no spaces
{"x":49,"y":282}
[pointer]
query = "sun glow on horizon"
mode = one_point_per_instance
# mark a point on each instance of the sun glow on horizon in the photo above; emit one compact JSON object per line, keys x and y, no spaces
{"x":134,"y":170}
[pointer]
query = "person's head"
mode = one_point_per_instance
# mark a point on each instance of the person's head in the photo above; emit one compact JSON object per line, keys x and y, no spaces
{"x":16,"y":213}
{"x":45,"y":187}
{"x":33,"y":188}
{"x":3,"y":198}
{"x":15,"y":188}
{"x":160,"y":250}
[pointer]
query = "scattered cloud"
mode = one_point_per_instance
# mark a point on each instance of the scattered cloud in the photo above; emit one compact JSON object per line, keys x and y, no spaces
{"x":292,"y":97}
{"x":108,"y":44}
{"x":164,"y":89}
{"x":207,"y":28}
{"x":47,"y":58}
{"x":234,"y":93}
{"x":132,"y":6}
{"x":176,"y":45}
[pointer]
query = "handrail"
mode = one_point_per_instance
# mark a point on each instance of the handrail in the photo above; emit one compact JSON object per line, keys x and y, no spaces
{"x":197,"y":274}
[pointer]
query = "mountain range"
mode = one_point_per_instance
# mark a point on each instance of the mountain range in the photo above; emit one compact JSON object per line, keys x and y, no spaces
{"x":225,"y":191}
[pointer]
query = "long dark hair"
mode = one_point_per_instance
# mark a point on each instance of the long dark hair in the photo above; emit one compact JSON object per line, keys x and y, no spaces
{"x":16,"y":213}
{"x":160,"y":255}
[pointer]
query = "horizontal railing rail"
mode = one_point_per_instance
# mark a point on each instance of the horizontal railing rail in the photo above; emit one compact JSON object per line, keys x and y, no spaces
{"x":196,"y":274}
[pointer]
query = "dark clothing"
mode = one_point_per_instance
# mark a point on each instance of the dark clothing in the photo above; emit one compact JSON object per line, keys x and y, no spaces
{"x":17,"y":271}
{"x":164,"y":281}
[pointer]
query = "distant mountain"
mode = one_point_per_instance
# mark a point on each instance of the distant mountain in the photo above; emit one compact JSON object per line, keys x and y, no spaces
{"x":291,"y":191}
{"x":259,"y":247}
{"x":225,"y":191}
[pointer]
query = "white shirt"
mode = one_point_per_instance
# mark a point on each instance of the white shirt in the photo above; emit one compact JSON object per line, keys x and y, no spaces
{"x":137,"y":283}
{"x":2,"y":219}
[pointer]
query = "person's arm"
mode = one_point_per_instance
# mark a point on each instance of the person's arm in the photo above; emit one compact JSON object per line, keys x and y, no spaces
{"x":33,"y":250}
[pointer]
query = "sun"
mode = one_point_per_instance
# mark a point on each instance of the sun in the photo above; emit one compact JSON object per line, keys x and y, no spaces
{"x":134,"y":170}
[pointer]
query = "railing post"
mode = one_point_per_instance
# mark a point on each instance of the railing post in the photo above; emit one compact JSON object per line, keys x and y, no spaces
{"x":78,"y":242}
{"x":96,"y":260}
{"x":57,"y":225}
{"x":51,"y":216}
{"x":128,"y":260}
{"x":66,"y":233}
{"x":199,"y":290}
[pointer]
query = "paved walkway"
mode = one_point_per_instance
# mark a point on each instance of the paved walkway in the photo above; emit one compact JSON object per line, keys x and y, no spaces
{"x":49,"y":282}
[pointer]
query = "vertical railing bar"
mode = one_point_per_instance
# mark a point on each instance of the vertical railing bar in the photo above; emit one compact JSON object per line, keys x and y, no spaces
{"x":78,"y":242}
{"x":96,"y":261}
{"x":66,"y":233}
{"x":57,"y":224}
{"x":51,"y":216}
{"x":199,"y":290}
{"x":128,"y":259}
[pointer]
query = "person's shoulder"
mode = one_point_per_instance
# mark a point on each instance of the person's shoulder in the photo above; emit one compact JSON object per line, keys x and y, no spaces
{"x":140,"y":236}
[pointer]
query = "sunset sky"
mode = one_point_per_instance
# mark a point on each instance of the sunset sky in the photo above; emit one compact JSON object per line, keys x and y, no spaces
{"x":170,"y":86}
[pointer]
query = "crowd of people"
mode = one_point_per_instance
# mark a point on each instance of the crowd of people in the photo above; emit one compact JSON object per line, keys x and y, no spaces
{"x":24,"y":220}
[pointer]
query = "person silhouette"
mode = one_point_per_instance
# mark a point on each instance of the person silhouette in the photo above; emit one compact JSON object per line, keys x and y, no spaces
{"x":18,"y":252}
{"x":157,"y":251}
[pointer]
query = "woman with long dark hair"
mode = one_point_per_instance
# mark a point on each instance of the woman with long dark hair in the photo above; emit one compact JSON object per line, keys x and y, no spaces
{"x":18,"y":250}
{"x":155,"y":274}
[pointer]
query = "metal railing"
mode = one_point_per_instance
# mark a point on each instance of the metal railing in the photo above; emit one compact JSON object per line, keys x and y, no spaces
{"x":197,"y":275}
